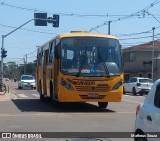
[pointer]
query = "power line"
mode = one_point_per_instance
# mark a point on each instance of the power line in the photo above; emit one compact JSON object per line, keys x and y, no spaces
{"x":153,"y":16}
{"x":139,"y":13}
{"x":32,"y":52}
{"x":139,"y":37}
{"x":43,"y":32}
{"x":62,"y":14}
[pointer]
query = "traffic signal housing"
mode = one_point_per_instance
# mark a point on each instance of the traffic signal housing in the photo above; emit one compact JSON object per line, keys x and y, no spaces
{"x":55,"y":20}
{"x":3,"y":53}
{"x":40,"y":19}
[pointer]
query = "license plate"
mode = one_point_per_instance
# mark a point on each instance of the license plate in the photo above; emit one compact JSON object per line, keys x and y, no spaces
{"x":93,"y":95}
{"x":28,"y":85}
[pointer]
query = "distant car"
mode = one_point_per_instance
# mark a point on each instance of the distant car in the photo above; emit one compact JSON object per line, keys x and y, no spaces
{"x":26,"y":81}
{"x":7,"y":79}
{"x":137,"y":85}
{"x":148,"y":115}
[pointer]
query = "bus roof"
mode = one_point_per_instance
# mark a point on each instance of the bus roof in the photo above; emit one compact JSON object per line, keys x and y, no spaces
{"x":86,"y":34}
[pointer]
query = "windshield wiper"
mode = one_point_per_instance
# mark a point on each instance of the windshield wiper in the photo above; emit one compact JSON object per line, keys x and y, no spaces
{"x":103,"y":62}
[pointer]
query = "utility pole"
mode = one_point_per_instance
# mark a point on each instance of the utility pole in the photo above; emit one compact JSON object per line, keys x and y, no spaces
{"x":153,"y":48}
{"x":24,"y":65}
{"x":26,"y":58}
{"x":109,"y":28}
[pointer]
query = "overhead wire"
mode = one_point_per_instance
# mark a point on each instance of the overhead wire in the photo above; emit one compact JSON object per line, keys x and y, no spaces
{"x":60,"y":13}
{"x":138,"y":13}
{"x":121,"y":17}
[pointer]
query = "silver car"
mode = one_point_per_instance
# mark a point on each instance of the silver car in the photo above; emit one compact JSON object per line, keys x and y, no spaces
{"x":137,"y":85}
{"x":26,"y":81}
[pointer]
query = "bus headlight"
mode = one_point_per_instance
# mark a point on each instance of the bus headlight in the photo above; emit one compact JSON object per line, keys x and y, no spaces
{"x":66,"y":84}
{"x":117,"y":85}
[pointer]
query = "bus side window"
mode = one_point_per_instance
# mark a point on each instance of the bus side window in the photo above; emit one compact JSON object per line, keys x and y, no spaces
{"x":46,"y":59}
{"x":38,"y":58}
{"x":51,"y":52}
{"x":41,"y":57}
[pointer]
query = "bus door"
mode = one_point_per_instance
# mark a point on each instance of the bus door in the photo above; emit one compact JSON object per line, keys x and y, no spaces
{"x":52,"y":76}
{"x":37,"y":70}
{"x":56,"y":68}
{"x":45,"y":72}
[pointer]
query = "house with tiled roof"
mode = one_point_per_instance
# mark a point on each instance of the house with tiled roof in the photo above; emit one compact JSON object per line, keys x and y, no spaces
{"x":138,"y":60}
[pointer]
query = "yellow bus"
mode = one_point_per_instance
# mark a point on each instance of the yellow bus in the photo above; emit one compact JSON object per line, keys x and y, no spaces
{"x":80,"y":67}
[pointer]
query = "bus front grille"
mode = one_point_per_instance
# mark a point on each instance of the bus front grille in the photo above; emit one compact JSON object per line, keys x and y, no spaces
{"x":93,"y":88}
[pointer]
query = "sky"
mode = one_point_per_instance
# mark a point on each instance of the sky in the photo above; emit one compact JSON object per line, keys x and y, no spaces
{"x":131,"y":21}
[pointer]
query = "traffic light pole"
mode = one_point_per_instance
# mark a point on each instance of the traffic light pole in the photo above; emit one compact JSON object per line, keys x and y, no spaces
{"x":2,"y":48}
{"x":55,"y":21}
{"x":1,"y":79}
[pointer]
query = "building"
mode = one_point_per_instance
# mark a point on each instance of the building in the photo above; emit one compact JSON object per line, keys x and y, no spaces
{"x":138,"y":60}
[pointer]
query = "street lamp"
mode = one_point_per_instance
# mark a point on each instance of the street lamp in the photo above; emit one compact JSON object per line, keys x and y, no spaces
{"x":153,"y":28}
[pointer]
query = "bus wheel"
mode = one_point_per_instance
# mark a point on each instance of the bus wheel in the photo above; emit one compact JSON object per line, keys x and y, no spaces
{"x":42,"y":98}
{"x":54,"y":102}
{"x":124,"y":91}
{"x":52,"y":99}
{"x":102,"y":104}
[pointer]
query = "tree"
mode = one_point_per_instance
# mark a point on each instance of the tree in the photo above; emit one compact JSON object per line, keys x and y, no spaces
{"x":13,"y":70}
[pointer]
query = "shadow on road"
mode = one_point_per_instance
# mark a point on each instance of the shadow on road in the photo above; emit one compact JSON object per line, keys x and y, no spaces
{"x":34,"y":105}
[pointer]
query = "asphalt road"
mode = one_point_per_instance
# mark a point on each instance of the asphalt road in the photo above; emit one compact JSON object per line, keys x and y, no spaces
{"x":23,"y":112}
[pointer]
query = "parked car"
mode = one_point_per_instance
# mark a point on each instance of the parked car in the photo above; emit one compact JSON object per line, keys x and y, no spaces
{"x":148,"y":115}
{"x":138,"y":85}
{"x":26,"y":81}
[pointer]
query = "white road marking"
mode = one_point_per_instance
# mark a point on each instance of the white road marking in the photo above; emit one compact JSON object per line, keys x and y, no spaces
{"x":22,"y":95}
{"x":36,"y":95}
{"x":132,"y":96}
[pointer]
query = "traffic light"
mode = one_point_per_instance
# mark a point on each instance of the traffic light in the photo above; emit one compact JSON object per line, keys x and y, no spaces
{"x":55,"y":20}
{"x":3,"y":53}
{"x":40,"y":19}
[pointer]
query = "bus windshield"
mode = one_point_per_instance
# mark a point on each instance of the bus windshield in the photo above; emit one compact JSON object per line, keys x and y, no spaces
{"x":90,"y":56}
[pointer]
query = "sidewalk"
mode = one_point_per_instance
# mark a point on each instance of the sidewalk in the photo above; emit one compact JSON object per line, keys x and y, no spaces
{"x":7,"y":96}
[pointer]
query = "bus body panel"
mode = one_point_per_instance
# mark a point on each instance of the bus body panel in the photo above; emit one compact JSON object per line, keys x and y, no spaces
{"x":81,"y":95}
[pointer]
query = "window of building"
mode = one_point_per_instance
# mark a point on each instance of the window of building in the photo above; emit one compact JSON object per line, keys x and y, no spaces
{"x":149,"y":75}
{"x":158,"y":54}
{"x":140,"y":75}
{"x":132,"y":56}
{"x":126,"y":77}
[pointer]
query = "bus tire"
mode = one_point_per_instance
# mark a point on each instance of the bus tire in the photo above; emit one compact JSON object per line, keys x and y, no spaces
{"x":103,"y":104}
{"x":52,"y":99}
{"x":42,"y":98}
{"x":124,"y":91}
